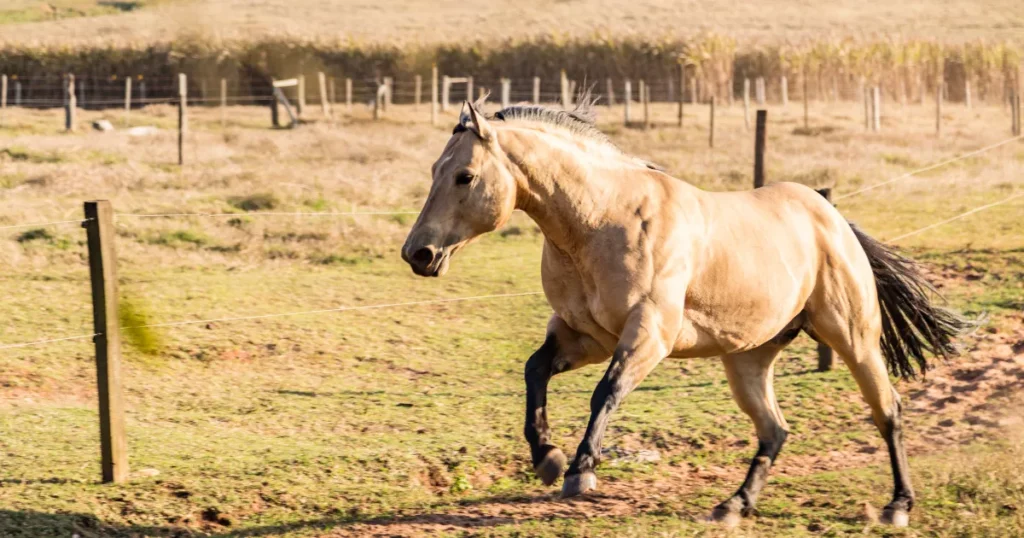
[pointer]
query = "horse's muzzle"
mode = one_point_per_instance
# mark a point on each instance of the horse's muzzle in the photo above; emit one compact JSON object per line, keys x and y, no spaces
{"x":427,"y":261}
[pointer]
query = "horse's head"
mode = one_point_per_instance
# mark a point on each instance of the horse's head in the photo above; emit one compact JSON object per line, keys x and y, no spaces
{"x":472,"y":193}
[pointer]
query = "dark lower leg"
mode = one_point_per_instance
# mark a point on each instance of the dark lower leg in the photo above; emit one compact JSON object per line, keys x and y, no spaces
{"x":538,"y":373}
{"x":743,"y":501}
{"x":903,"y":492}
{"x":604,"y":401}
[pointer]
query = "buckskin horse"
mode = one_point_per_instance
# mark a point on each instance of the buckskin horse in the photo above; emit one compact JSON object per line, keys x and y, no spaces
{"x":639,"y":266}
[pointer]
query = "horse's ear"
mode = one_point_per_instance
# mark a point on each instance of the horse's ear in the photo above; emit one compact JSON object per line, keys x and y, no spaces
{"x":481,"y":126}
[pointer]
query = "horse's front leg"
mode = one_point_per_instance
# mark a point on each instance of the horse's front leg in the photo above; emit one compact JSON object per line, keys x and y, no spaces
{"x":643,"y":344}
{"x":564,"y":349}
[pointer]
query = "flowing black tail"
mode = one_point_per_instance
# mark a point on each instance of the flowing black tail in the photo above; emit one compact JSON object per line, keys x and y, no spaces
{"x":911,"y":324}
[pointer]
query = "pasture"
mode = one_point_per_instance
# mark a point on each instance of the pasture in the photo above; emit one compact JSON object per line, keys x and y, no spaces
{"x":407,"y":420}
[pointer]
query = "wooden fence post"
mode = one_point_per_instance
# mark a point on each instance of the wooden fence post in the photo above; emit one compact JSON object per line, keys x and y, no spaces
{"x":645,"y":94}
{"x":348,"y":95}
{"x":866,"y":93}
{"x":469,"y":88}
{"x":682,"y":86}
{"x":378,"y":101}
{"x":300,"y":99}
{"x":417,"y":92}
{"x":1014,"y":113}
{"x":182,"y":118}
{"x":536,"y":90}
{"x":325,"y":105}
{"x":760,"y":90}
{"x":223,"y":102}
{"x":609,"y":92}
{"x":711,"y":124}
{"x":876,"y":109}
{"x":100,"y":233}
{"x":275,"y":114}
{"x":127,"y":100}
{"x":759,"y":140}
{"x":3,"y":98}
{"x":746,"y":103}
{"x":433,"y":94}
{"x":628,"y":95}
{"x":70,"y":104}
{"x":693,"y":90}
{"x":824,"y":352}
{"x":938,"y":108}
{"x":446,"y":92}
{"x":565,"y":90}
{"x":806,"y":98}
{"x":389,"y":87}
{"x":967,"y":93}
{"x":506,"y":90}
{"x":784,"y":85}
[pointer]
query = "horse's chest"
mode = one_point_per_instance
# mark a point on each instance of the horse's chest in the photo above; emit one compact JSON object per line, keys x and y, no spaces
{"x":583,"y":302}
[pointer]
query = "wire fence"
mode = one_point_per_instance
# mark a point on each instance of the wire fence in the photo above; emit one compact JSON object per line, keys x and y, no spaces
{"x":121,"y":216}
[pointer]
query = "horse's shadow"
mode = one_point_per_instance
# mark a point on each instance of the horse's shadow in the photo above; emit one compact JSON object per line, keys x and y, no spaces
{"x":32,"y":524}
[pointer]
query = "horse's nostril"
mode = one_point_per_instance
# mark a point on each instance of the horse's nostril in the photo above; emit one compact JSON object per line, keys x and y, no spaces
{"x":423,"y":256}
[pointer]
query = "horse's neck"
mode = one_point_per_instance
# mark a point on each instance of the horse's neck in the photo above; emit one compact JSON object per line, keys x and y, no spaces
{"x":558,"y":186}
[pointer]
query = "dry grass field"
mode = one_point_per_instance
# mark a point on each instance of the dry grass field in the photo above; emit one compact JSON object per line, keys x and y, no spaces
{"x":421,"y":21}
{"x":407,"y":420}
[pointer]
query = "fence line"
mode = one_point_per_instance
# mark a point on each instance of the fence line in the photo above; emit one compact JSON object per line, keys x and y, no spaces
{"x":339,"y":309}
{"x":957,"y":217}
{"x":930,"y":167}
{"x":264,"y":214}
{"x":42,"y":224}
{"x":47,"y":341}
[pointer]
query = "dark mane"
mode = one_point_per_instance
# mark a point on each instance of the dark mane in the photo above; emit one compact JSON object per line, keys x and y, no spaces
{"x":580,"y":120}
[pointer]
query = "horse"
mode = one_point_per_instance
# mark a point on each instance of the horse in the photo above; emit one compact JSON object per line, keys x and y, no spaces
{"x":639,"y":266}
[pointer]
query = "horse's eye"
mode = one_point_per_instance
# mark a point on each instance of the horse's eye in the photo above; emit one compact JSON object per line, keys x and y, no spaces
{"x":463,"y":178}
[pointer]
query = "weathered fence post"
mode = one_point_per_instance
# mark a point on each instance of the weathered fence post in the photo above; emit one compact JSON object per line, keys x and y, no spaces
{"x":417,"y":93}
{"x":275,"y":114}
{"x":3,"y":98}
{"x":682,"y":86}
{"x":325,"y":105}
{"x":300,"y":99}
{"x":469,"y":88}
{"x":1014,"y":113}
{"x":938,"y":108}
{"x":646,"y":96}
{"x":348,"y":95}
{"x":693,"y":90}
{"x":876,"y":109}
{"x":378,"y":101}
{"x":182,"y":118}
{"x":70,"y":104}
{"x":536,"y":90}
{"x":628,"y":96}
{"x":223,"y":102}
{"x":784,"y":85}
{"x":100,"y":233}
{"x":759,"y":139}
{"x":446,"y":92}
{"x":806,"y":98}
{"x":481,"y":92}
{"x":565,"y":90}
{"x":824,"y":352}
{"x":866,"y":93}
{"x":127,"y":100}
{"x":760,"y":90}
{"x":433,"y":94}
{"x":711,"y":124}
{"x":389,"y":90}
{"x":506,"y":90}
{"x":609,"y":92}
{"x":967,"y":93}
{"x":746,"y":103}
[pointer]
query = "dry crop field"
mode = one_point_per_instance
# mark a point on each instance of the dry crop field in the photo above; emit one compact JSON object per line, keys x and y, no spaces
{"x":430,"y":21}
{"x":407,"y":420}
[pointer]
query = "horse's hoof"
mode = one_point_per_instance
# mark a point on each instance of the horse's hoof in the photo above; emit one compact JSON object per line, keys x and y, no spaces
{"x":725,"y":516}
{"x":551,"y":467}
{"x":895,"y":516}
{"x":578,"y":484}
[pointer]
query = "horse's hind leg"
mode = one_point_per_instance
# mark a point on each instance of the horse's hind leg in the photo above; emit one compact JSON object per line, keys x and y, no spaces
{"x":564,"y":349}
{"x":858,"y":344}
{"x":750,"y":377}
